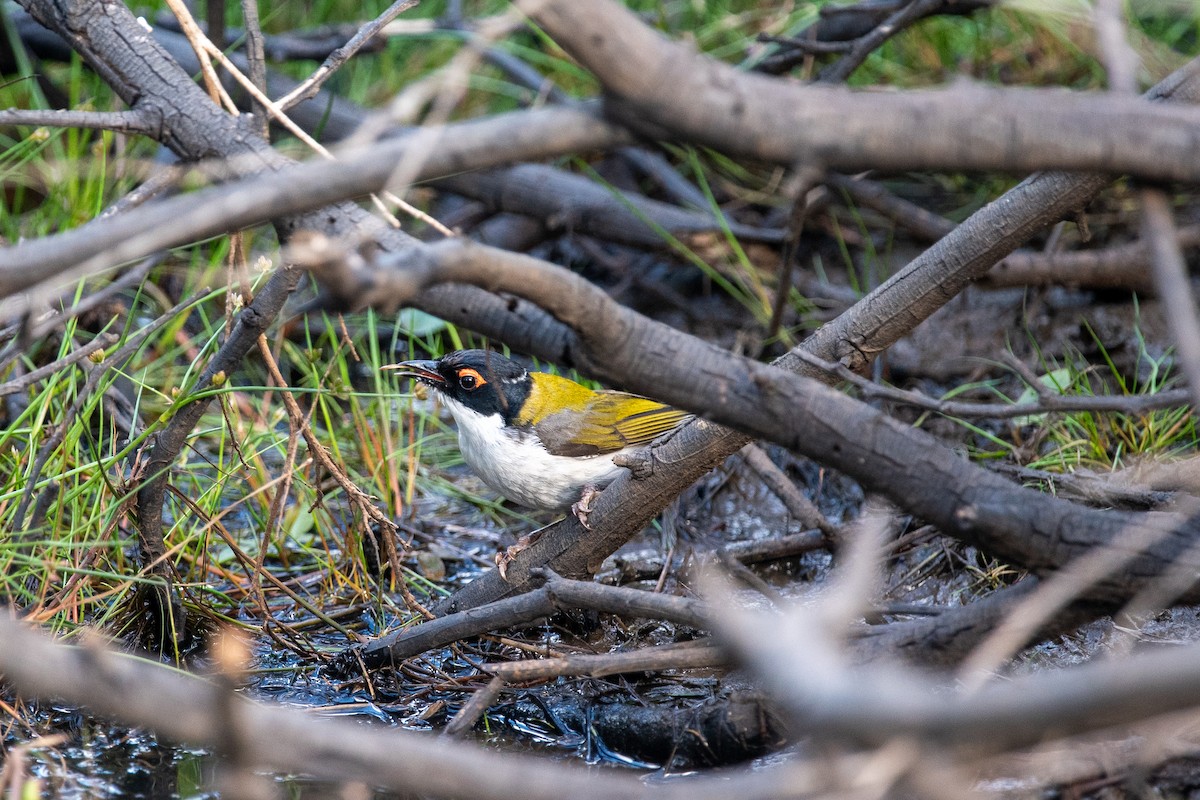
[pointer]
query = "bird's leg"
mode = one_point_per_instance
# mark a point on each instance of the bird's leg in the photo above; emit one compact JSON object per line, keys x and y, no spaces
{"x":583,"y":507}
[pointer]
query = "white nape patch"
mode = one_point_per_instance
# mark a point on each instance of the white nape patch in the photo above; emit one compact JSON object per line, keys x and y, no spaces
{"x":517,"y":465}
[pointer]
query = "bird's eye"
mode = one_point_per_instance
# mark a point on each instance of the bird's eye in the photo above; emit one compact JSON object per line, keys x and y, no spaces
{"x":467,"y":382}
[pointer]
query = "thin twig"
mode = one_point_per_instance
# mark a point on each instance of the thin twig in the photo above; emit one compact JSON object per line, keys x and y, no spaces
{"x":805,"y":180}
{"x":807,"y":46}
{"x":257,"y":61}
{"x":872,"y":194}
{"x":134,"y":122}
{"x":1174,"y":287}
{"x":1047,"y":401}
{"x":309,"y":87}
{"x":201,"y":44}
{"x":95,"y":299}
{"x":865,"y":45}
{"x":556,"y":593}
{"x":474,"y":708}
{"x":1124,"y":266}
{"x":163,"y":447}
{"x":676,"y":655}
{"x":799,"y":506}
{"x":358,"y":499}
{"x":23,"y":382}
{"x":1120,"y":60}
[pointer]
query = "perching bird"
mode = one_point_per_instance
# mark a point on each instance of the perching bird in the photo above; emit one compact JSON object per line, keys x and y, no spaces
{"x":540,"y":440}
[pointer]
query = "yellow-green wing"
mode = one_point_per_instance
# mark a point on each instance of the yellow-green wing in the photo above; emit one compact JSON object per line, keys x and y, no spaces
{"x":610,"y":421}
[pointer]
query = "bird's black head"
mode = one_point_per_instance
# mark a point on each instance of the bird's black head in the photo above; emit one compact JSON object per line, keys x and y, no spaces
{"x":481,"y":380}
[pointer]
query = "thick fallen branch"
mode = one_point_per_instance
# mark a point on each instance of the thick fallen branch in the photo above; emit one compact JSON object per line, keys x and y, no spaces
{"x":874,"y":705}
{"x":677,"y":655}
{"x":666,"y":89}
{"x":1122,"y":266}
{"x":299,"y":190}
{"x":869,"y":705}
{"x":574,"y":203}
{"x":554,"y":595}
{"x":183,"y":708}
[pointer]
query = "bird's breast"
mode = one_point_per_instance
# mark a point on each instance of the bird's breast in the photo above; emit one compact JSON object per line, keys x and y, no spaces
{"x":513,"y":461}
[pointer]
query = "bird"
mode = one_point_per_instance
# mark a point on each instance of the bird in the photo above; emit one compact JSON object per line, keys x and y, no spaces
{"x":541,"y":440}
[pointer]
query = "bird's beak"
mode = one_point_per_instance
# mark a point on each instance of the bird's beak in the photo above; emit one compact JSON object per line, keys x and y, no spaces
{"x":421,"y":370}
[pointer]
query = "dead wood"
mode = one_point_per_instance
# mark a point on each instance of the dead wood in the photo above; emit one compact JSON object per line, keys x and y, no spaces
{"x":679,"y":655}
{"x":506,"y":316}
{"x":715,"y":731}
{"x":288,"y":196}
{"x":572,"y":203}
{"x":1046,"y":401}
{"x":854,"y":338}
{"x":663,"y":89}
{"x":164,"y":446}
{"x":336,"y":117}
{"x":944,"y":640}
{"x":918,"y":221}
{"x":1123,"y":266}
{"x":877,"y":703}
{"x":859,"y":704}
{"x":555,"y":594}
{"x":1023,"y":527}
{"x":154,"y":86}
{"x":619,"y":569}
{"x":839,"y":26}
{"x":183,"y":708}
{"x":1173,"y":284}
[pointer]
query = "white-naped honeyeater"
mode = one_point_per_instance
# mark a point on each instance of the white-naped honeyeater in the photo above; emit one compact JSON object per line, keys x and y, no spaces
{"x":540,"y":440}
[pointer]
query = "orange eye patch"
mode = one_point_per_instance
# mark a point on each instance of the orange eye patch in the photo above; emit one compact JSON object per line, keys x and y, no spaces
{"x":469,"y":378}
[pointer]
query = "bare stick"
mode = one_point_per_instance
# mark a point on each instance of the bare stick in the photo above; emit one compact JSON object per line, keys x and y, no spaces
{"x":308,"y":89}
{"x":1174,"y":288}
{"x":303,"y":187}
{"x":134,"y":122}
{"x":163,"y":447}
{"x":1055,"y":593}
{"x":1122,"y":266}
{"x":554,"y":594}
{"x":256,"y":59}
{"x":1047,"y":401}
{"x":685,"y":655}
{"x":202,"y":46}
{"x":912,"y":217}
{"x":655,"y":84}
{"x":23,"y":382}
{"x":474,"y":708}
{"x":910,"y":13}
{"x":799,"y":506}
{"x":874,"y":705}
{"x":181,"y":707}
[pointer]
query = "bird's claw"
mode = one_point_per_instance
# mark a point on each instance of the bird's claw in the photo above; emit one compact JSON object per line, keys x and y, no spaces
{"x":584,"y":506}
{"x":510,"y":553}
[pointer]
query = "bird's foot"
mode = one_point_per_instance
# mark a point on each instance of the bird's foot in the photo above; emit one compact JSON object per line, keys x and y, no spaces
{"x":509,"y":554}
{"x":585,"y":504}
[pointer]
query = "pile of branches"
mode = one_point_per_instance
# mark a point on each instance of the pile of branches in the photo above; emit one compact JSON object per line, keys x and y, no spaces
{"x":887,"y":726}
